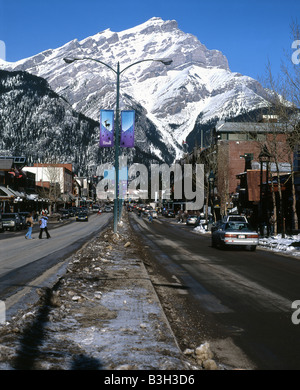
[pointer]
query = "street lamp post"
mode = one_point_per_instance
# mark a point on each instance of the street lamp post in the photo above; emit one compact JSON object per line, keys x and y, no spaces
{"x":211,"y":179}
{"x":264,"y":156}
{"x":118,"y":73}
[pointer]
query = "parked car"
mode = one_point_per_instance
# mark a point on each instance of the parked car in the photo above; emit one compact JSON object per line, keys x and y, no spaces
{"x":107,"y":209}
{"x":71,"y":212}
{"x":191,"y":220}
{"x":236,"y":234}
{"x":95,"y":208}
{"x":82,"y":217}
{"x":64,"y":214}
{"x":168,"y":213}
{"x":11,"y":221}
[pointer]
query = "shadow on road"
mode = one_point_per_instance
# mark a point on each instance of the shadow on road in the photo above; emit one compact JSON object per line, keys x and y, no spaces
{"x":34,"y":335}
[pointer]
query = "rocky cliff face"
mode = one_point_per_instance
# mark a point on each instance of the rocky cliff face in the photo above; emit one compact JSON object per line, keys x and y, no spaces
{"x":172,"y":98}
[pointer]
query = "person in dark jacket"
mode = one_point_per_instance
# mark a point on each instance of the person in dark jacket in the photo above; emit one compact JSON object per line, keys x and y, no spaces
{"x":43,"y":226}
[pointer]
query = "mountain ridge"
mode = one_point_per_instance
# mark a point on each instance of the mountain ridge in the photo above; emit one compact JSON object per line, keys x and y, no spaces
{"x":197,"y":84}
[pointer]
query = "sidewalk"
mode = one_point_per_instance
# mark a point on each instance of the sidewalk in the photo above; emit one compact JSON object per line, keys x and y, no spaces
{"x":102,"y":314}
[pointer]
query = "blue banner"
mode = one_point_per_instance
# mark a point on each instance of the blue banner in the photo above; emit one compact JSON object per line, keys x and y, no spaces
{"x":127,"y":129}
{"x":106,"y":128}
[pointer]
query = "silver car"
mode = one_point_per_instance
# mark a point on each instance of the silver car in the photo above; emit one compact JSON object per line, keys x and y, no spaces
{"x":191,"y":220}
{"x":235,"y":233}
{"x":11,"y":221}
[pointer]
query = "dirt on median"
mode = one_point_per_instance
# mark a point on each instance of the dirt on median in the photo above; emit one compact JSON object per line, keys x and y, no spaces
{"x":102,"y":314}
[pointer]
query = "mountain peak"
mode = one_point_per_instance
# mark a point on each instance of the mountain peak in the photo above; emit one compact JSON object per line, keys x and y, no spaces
{"x":153,"y":25}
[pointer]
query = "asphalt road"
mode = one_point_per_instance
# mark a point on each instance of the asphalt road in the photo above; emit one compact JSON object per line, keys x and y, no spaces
{"x":235,"y":295}
{"x":26,"y":264}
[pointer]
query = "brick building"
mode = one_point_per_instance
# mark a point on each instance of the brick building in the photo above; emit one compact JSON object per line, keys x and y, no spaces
{"x":239,"y":146}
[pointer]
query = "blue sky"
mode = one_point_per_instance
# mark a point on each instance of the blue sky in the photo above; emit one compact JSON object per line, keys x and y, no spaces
{"x":249,"y":33}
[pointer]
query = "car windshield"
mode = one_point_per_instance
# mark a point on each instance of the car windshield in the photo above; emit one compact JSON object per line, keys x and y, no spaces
{"x":8,"y":216}
{"x":240,"y":226}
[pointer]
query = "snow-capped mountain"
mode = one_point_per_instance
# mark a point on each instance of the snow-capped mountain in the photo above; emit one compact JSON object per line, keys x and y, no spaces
{"x":198,"y":83}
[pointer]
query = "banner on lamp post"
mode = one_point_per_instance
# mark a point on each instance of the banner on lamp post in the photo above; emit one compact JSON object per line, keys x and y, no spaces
{"x":127,"y":129}
{"x":106,"y":128}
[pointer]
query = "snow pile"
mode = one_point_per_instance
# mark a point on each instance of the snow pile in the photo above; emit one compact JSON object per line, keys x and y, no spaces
{"x":204,"y":356}
{"x":200,"y":229}
{"x":289,"y":244}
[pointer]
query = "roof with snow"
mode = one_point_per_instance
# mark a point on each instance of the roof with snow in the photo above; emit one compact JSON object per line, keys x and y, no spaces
{"x":232,"y":127}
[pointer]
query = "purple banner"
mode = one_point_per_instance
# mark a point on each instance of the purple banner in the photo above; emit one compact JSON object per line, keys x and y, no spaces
{"x":127,"y":130}
{"x":106,"y":128}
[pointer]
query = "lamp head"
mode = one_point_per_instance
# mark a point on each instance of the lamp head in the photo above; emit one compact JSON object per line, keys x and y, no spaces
{"x":165,"y":61}
{"x":69,"y":60}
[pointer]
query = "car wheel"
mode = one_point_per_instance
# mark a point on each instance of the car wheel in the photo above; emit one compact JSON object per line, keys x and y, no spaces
{"x":252,"y":248}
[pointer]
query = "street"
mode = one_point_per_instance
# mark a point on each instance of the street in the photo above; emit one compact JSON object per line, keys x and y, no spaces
{"x":23,"y":261}
{"x":238,"y":300}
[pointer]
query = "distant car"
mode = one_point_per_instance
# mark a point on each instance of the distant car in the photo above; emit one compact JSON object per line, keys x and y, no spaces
{"x":95,"y":208}
{"x":64,"y":214}
{"x":154,"y":214}
{"x":83,"y":209}
{"x":236,"y":233}
{"x":71,"y":212}
{"x":191,"y":220}
{"x":170,"y":214}
{"x":108,"y":209}
{"x":82,"y":217}
{"x":235,"y":218}
{"x":11,"y":221}
{"x":147,"y":211}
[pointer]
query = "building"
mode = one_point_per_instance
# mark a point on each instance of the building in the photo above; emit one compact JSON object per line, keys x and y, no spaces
{"x":17,"y":187}
{"x":234,"y":158}
{"x":237,"y":141}
{"x":47,"y":174}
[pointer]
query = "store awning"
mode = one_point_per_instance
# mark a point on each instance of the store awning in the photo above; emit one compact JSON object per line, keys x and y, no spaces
{"x":6,"y":194}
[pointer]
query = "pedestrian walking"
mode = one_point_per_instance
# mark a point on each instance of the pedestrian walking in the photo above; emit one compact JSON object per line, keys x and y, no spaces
{"x":35,"y":216}
{"x":29,"y":224}
{"x":150,"y":217}
{"x":43,"y":226}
